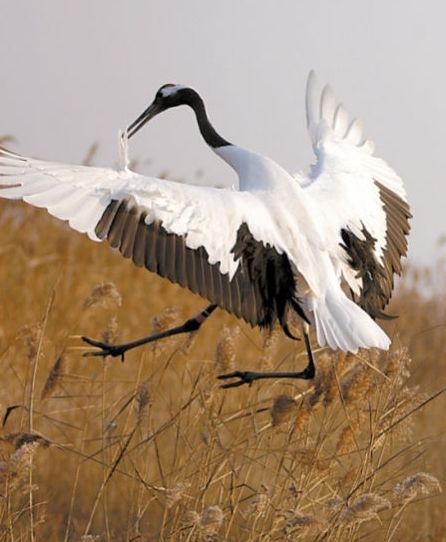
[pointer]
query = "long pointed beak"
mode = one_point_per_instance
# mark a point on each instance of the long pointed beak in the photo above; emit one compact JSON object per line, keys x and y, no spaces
{"x":148,"y":114}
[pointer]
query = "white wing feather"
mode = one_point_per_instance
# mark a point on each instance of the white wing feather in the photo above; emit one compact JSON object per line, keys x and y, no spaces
{"x":207,"y":216}
{"x":342,"y":181}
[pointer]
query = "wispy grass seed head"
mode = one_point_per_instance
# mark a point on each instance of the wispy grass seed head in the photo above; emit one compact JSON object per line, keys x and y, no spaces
{"x":143,"y":398}
{"x":356,"y":385}
{"x":103,"y":295}
{"x":30,"y":335}
{"x":225,"y":353}
{"x":416,"y":485}
{"x":259,"y":504}
{"x":364,"y":508}
{"x":110,"y":334}
{"x":54,"y":377}
{"x":283,"y":408}
{"x":175,"y":494}
{"x":211,"y":520}
{"x":296,"y":520}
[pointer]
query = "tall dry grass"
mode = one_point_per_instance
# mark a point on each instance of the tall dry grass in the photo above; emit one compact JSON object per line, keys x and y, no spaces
{"x":153,"y":449}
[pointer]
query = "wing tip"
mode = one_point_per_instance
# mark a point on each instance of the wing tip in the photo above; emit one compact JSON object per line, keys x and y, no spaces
{"x":312,"y":77}
{"x":324,"y":105}
{"x":311,"y":108}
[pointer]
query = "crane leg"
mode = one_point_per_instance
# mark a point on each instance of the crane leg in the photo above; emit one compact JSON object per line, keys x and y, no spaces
{"x":119,"y":350}
{"x":248,"y":377}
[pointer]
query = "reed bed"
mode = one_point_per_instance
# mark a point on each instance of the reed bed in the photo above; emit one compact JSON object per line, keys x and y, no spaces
{"x":152,"y":449}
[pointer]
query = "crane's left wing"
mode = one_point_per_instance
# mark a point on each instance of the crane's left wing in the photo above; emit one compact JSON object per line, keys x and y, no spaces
{"x":362,"y":201}
{"x":215,"y":242}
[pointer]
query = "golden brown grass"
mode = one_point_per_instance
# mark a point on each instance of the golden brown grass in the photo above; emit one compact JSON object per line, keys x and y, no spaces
{"x":153,"y":449}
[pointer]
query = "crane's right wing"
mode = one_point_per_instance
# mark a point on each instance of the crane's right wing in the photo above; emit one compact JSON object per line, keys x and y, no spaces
{"x":218,"y":243}
{"x":361,"y":201}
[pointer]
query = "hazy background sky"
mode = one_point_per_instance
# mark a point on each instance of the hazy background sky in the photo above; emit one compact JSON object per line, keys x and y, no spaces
{"x":75,"y":72}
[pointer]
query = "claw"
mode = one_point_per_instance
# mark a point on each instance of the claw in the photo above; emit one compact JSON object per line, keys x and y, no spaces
{"x":105,"y":349}
{"x":246,"y":377}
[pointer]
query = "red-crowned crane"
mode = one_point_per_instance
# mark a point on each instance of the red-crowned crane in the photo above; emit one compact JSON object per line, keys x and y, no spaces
{"x":280,"y":244}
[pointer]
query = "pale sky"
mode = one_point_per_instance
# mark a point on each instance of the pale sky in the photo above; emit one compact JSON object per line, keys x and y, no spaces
{"x":75,"y":72}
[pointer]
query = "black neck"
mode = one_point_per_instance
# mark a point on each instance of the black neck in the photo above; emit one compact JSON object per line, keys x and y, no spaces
{"x":212,"y":138}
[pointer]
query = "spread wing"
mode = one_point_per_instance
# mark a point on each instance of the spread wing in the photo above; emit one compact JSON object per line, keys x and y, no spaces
{"x":203,"y":238}
{"x":362,"y":201}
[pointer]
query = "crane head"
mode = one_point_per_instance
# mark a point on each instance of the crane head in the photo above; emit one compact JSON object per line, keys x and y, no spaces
{"x":167,"y":96}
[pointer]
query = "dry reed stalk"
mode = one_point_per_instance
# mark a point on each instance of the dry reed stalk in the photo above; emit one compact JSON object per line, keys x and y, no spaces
{"x":400,"y":406}
{"x":207,"y":396}
{"x":225,"y":353}
{"x":104,"y":295}
{"x":31,"y":397}
{"x":109,"y":428}
{"x":111,"y":470}
{"x":249,"y":452}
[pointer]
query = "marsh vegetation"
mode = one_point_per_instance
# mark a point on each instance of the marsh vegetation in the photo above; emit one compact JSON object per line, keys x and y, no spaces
{"x":153,"y":449}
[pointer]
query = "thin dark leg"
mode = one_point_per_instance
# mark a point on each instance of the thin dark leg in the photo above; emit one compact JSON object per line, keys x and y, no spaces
{"x":116,"y":350}
{"x":248,"y":377}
